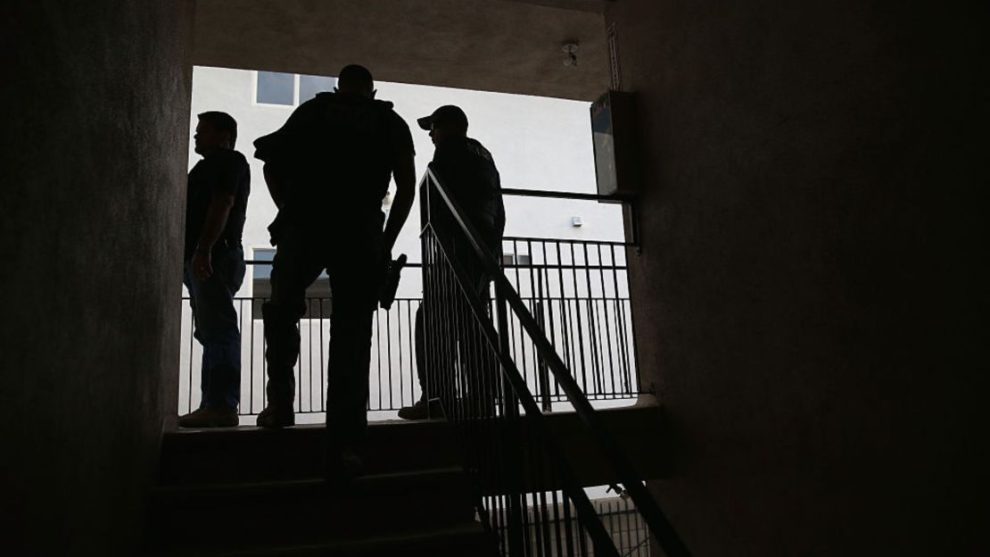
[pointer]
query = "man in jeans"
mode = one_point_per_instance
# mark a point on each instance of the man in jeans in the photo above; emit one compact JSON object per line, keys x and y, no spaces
{"x":216,"y":203}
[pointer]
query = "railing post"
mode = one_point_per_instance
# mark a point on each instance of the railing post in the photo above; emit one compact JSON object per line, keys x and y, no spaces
{"x":510,"y":411}
{"x":543,"y":373}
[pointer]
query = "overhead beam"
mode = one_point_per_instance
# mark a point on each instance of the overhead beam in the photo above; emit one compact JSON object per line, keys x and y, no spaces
{"x":596,"y":6}
{"x":503,"y":46}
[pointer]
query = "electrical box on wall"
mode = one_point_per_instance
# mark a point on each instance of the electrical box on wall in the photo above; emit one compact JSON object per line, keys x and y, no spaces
{"x":617,"y":166}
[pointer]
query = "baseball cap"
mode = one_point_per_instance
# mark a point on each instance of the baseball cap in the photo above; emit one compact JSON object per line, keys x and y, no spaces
{"x":445,"y":115}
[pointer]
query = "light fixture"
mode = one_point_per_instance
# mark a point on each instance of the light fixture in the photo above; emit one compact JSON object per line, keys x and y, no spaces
{"x":570,"y":48}
{"x":577,"y":222}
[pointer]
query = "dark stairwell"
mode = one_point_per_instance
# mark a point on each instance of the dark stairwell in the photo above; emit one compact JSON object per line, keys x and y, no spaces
{"x":257,"y":492}
{"x":264,"y":492}
{"x":497,"y":473}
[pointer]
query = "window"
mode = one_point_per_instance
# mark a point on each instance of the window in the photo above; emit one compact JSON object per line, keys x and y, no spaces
{"x":276,"y":88}
{"x":310,"y":85}
{"x":282,"y":88}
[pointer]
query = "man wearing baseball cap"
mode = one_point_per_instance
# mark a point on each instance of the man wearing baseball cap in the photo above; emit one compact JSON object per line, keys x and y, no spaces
{"x":467,"y":171}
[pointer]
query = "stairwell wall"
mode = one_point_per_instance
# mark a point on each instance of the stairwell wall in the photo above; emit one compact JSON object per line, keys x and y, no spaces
{"x":96,"y":99}
{"x":810,"y":299}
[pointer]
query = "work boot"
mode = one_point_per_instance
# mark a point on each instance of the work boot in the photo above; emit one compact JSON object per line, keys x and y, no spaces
{"x":276,"y":416}
{"x":421,"y":410}
{"x":210,"y":417}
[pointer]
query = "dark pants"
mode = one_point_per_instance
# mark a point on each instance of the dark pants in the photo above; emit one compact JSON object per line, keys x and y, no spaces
{"x":212,"y":302}
{"x":355,"y":264}
{"x":447,"y":333}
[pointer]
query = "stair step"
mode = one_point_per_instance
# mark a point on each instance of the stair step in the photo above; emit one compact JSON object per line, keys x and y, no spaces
{"x":309,"y":511}
{"x":469,"y":538}
{"x":250,"y":454}
{"x":368,"y":484}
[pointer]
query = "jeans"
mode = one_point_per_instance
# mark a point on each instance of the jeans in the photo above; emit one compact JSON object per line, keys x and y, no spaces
{"x":355,"y":263}
{"x":212,"y":302}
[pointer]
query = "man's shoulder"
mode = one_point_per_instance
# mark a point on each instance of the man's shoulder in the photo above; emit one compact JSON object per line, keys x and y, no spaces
{"x":463,"y":149}
{"x":475,"y":147}
{"x":239,"y":157}
{"x":314,"y":107}
{"x":230,"y":157}
{"x":394,"y":120}
{"x":397,"y":130}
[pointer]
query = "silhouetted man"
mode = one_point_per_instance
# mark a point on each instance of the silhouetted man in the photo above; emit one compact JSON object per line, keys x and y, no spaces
{"x":328,"y":169}
{"x":214,"y":264}
{"x":467,"y":171}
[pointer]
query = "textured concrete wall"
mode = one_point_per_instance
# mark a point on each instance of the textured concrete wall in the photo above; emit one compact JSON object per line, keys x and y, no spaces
{"x":509,"y":47}
{"x":95,"y":134}
{"x":810,"y":304}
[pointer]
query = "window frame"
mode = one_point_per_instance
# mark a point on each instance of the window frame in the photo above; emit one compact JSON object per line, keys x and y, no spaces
{"x":296,"y":88}
{"x":299,"y":83}
{"x":254,"y":91}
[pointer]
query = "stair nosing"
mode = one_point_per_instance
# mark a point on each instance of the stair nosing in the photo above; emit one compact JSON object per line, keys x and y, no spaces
{"x":299,"y":483}
{"x":464,"y":529}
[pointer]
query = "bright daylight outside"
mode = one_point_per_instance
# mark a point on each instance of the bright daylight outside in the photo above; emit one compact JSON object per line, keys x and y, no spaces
{"x":565,"y":257}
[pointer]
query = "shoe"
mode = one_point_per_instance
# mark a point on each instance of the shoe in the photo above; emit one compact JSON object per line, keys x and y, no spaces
{"x":276,"y":416}
{"x":210,"y":417}
{"x":421,"y":410}
{"x":341,"y":467}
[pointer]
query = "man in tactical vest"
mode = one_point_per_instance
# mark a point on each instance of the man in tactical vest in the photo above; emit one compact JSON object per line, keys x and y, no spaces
{"x":327,"y":170}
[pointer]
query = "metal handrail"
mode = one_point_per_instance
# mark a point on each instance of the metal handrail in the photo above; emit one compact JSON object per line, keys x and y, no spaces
{"x":578,"y":288}
{"x":567,"y":195}
{"x":628,"y":201}
{"x":599,"y":535}
{"x":554,"y":266}
{"x":647,"y":506}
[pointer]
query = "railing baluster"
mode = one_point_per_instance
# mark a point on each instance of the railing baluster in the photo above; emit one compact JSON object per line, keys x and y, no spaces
{"x":309,"y":335}
{"x":646,"y":505}
{"x":483,"y":375}
{"x":592,"y":330}
{"x":192,"y":332}
{"x":323,"y":363}
{"x":565,"y":317}
{"x":297,"y":369}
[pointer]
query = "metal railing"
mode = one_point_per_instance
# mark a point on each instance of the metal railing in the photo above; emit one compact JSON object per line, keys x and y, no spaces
{"x":618,"y":515}
{"x":473,"y":374}
{"x":578,"y":289}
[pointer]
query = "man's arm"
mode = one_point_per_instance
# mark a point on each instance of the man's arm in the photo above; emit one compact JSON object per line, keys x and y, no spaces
{"x":405,"y":186}
{"x":216,"y":220}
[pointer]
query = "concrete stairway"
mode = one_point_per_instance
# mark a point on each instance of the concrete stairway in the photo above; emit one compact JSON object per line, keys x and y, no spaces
{"x":254,"y":492}
{"x":249,"y":491}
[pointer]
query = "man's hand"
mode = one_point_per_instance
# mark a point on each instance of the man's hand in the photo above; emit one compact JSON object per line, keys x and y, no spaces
{"x":202,"y":266}
{"x":216,"y":219}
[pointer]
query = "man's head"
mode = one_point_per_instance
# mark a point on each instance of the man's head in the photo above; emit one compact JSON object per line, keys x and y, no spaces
{"x":216,"y":130}
{"x":446,"y":122}
{"x":356,"y":80}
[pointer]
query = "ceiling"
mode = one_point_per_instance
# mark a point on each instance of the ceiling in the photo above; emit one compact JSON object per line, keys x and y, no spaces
{"x":511,"y":46}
